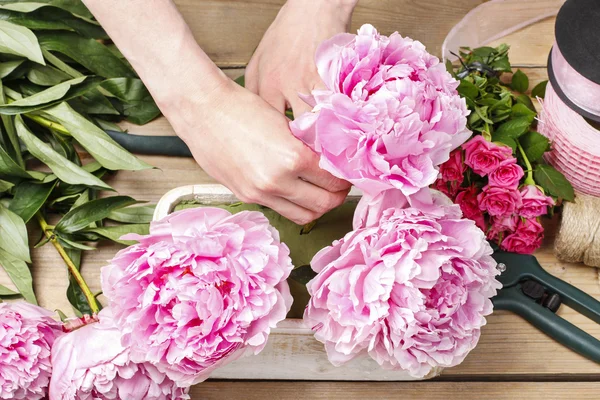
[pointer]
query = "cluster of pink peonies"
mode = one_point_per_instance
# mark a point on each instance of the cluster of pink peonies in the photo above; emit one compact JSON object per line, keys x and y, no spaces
{"x":494,"y":197}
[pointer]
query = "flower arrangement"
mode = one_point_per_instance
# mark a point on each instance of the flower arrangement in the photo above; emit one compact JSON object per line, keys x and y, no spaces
{"x":498,"y":177}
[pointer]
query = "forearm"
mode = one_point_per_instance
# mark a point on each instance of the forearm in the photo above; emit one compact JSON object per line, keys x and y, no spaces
{"x":155,"y":39}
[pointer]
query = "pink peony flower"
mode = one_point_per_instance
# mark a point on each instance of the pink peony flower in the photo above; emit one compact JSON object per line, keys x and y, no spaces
{"x":27,"y":333}
{"x":390,"y":114}
{"x":454,"y":169}
{"x":526,"y":239}
{"x":483,"y":157}
{"x":535,"y":203}
{"x":499,"y":226}
{"x":469,"y":205}
{"x":507,"y":174}
{"x":203,"y":289}
{"x":90,"y":364}
{"x":411,"y":291}
{"x":498,"y":201}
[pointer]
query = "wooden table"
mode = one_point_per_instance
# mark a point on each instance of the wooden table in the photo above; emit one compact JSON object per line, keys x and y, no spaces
{"x":513,"y":360}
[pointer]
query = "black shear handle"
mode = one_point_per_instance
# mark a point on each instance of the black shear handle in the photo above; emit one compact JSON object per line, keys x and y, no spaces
{"x":561,"y":330}
{"x":151,"y":145}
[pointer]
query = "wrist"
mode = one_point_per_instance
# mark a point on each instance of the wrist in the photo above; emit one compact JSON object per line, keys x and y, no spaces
{"x":343,"y":7}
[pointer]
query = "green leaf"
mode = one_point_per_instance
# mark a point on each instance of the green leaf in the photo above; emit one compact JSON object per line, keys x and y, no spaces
{"x":19,"y":274}
{"x":115,"y":233}
{"x":133,"y":215}
{"x":521,"y":110}
{"x":74,"y":293}
{"x":467,"y":89}
{"x":51,"y":96}
{"x":520,"y":82}
{"x":46,"y":75}
{"x":97,"y":142}
{"x":241,"y":80}
{"x":303,"y":274}
{"x":14,"y":150}
{"x":65,"y":170}
{"x":13,"y":235}
{"x":8,"y":67}
{"x":138,"y":105}
{"x":94,"y":102}
{"x":553,"y":182}
{"x":72,"y":244}
{"x":4,"y":291}
{"x":61,"y":65}
{"x":539,"y":90}
{"x":20,"y":41}
{"x":512,"y":129}
{"x":9,"y":167}
{"x":526,"y":101}
{"x":88,"y":52}
{"x":73,"y":6}
{"x":5,"y":186}
{"x":535,"y":145}
{"x":95,"y":210}
{"x":29,"y":198}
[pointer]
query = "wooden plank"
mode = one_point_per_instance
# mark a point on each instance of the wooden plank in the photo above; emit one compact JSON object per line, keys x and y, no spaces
{"x":406,"y":391}
{"x":230,"y":30}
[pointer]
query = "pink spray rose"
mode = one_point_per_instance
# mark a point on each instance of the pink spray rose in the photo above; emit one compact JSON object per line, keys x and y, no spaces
{"x":27,"y":333}
{"x":454,"y":169}
{"x":483,"y":157}
{"x":498,"y":201}
{"x":203,"y":289}
{"x":502,"y":225}
{"x":450,"y":189}
{"x":411,"y":292}
{"x":535,"y":203}
{"x":469,"y":205}
{"x":507,"y":174}
{"x":526,"y":239}
{"x":390,"y":114}
{"x":91,"y":364}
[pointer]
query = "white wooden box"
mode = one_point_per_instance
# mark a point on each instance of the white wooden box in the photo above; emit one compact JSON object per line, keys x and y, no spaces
{"x":291,"y":352}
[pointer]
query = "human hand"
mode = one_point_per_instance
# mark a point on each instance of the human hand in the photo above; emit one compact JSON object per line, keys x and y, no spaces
{"x":245,"y":144}
{"x":283,"y":64}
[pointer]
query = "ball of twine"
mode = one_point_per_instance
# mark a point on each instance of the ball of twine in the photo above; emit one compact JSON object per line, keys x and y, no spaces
{"x":578,"y":238}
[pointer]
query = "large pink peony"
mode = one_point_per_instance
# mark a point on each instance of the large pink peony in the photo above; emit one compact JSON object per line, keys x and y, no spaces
{"x":411,"y":291}
{"x":204,"y":288}
{"x":90,"y":364}
{"x":27,"y":333}
{"x":390,"y":114}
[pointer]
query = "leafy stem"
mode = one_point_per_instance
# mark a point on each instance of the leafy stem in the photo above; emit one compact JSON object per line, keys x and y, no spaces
{"x":48,"y":124}
{"x":529,"y":180}
{"x":49,"y":233}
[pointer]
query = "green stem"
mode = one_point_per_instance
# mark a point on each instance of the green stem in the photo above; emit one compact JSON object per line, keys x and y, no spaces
{"x":529,"y":180}
{"x":48,"y":124}
{"x":70,"y":265}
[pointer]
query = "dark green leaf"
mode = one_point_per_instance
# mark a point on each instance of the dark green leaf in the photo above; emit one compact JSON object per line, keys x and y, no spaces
{"x":13,"y":235}
{"x":450,"y":68}
{"x":64,"y":169}
{"x":4,"y":291}
{"x":512,"y":129}
{"x":241,"y":80}
{"x":535,"y":145}
{"x":19,"y":274}
{"x":520,"y":82}
{"x":5,"y":186}
{"x":72,"y":244}
{"x":51,"y":96}
{"x":88,"y":52}
{"x":553,"y":182}
{"x":61,"y":65}
{"x":303,"y":274}
{"x":74,"y":292}
{"x":133,"y":215}
{"x":521,"y":110}
{"x":539,"y":90}
{"x":526,"y":101}
{"x":29,"y":198}
{"x":94,"y":102}
{"x":467,"y":89}
{"x":9,"y":167}
{"x":46,"y":75}
{"x":138,"y":105}
{"x":115,"y":233}
{"x":49,"y":18}
{"x":11,"y":139}
{"x":73,"y":6}
{"x":95,"y":210}
{"x":97,"y":142}
{"x":20,"y":41}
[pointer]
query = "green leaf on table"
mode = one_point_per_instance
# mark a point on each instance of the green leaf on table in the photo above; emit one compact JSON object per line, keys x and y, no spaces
{"x":522,"y":110}
{"x":467,"y":89}
{"x":72,"y":244}
{"x":51,"y":96}
{"x":29,"y":198}
{"x":61,"y":65}
{"x":138,"y":105}
{"x":133,"y":215}
{"x":97,"y":142}
{"x":520,"y":82}
{"x":526,"y":101}
{"x":19,"y":273}
{"x":94,"y":102}
{"x":4,"y":291}
{"x":512,"y":129}
{"x":5,"y":186}
{"x":241,"y":80}
{"x":95,"y":210}
{"x":9,"y":167}
{"x":8,"y":67}
{"x":539,"y":90}
{"x":115,"y":233}
{"x":88,"y":52}
{"x":45,"y":75}
{"x":13,"y":235}
{"x":535,"y":145}
{"x":65,"y":170}
{"x":20,"y":41}
{"x":303,"y":274}
{"x":553,"y":182}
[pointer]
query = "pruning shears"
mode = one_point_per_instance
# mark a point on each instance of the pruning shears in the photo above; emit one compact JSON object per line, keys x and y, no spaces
{"x":534,"y":294}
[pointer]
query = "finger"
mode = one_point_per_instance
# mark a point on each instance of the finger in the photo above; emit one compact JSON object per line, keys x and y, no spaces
{"x":316,"y":175}
{"x":299,"y":106}
{"x":274,"y":98}
{"x":313,"y":197}
{"x":291,"y":211}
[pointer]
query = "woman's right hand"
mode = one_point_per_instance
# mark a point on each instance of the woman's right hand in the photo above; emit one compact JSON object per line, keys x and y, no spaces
{"x":245,"y":144}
